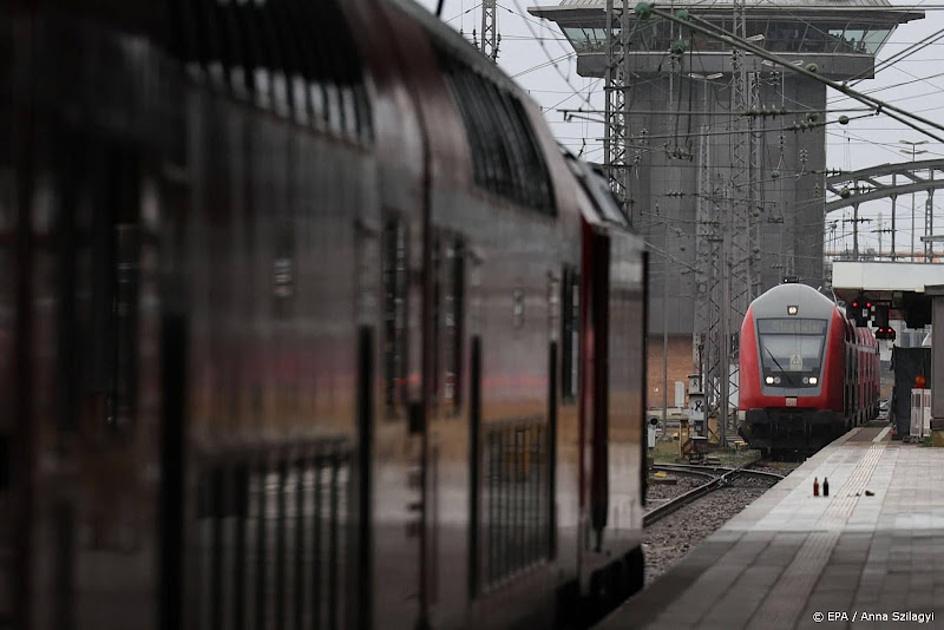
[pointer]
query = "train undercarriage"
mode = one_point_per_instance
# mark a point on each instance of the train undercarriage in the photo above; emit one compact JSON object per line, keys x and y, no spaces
{"x":787,"y":432}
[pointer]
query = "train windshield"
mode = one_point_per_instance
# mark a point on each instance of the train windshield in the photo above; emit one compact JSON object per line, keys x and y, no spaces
{"x":791,"y":350}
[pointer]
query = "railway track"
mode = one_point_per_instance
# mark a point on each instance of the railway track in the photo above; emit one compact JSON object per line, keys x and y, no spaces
{"x":718,"y":477}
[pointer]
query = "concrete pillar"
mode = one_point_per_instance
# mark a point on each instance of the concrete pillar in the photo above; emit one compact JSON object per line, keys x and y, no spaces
{"x":936,"y":293}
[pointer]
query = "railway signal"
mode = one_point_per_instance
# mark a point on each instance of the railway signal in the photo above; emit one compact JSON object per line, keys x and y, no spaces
{"x":880,"y":320}
{"x":859,"y":311}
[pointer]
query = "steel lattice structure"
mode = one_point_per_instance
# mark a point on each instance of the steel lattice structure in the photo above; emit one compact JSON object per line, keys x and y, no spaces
{"x":708,"y":241}
{"x":616,"y":111}
{"x":728,"y":239}
{"x":489,"y":35}
{"x":887,"y":181}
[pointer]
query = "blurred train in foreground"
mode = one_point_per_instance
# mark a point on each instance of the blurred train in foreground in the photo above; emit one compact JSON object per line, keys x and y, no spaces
{"x":305,"y":322}
{"x":807,"y":372}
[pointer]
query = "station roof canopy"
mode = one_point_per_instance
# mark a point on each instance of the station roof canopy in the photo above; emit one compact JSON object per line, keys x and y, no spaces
{"x":903,"y":285}
{"x":851,"y":278}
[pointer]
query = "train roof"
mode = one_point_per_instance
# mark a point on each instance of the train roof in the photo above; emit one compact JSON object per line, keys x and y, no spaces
{"x":153,"y":19}
{"x":809,"y":302}
{"x":450,"y":41}
{"x":606,"y":210}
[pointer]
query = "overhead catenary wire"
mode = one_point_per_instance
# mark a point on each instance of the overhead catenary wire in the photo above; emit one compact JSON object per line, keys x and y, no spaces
{"x":920,"y":45}
{"x":871,"y":105}
{"x":707,"y":28}
{"x":547,"y":53}
{"x":902,"y":54}
{"x":888,"y":87}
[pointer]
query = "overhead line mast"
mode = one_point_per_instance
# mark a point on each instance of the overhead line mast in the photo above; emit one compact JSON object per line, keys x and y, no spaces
{"x":490,"y":39}
{"x":616,"y":111}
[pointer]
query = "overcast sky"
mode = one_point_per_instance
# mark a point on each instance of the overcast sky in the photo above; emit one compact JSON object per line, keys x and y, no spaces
{"x":538,"y":56}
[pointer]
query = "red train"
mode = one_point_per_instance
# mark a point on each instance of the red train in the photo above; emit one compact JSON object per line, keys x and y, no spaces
{"x":305,"y":322}
{"x":807,"y":372}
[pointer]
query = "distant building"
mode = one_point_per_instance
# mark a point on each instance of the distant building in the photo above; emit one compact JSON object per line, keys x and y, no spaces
{"x":677,"y":97}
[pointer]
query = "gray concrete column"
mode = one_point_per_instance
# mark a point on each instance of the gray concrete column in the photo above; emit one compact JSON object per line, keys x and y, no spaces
{"x":936,"y":293}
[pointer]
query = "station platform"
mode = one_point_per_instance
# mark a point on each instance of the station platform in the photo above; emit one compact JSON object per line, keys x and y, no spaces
{"x":870,"y":555}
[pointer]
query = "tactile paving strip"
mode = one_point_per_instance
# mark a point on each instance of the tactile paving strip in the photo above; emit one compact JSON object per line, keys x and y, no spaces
{"x":790,"y":555}
{"x":789,"y":595}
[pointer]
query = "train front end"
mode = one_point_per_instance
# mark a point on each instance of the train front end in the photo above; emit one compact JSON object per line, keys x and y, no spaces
{"x":791,"y":370}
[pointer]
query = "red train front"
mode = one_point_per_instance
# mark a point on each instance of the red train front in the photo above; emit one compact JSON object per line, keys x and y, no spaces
{"x":807,"y":373}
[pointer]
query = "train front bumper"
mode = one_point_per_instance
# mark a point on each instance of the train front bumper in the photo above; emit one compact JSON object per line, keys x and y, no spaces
{"x":791,"y":428}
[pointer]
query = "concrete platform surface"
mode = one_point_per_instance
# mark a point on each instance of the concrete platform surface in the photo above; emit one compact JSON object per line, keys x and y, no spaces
{"x":792,"y":560}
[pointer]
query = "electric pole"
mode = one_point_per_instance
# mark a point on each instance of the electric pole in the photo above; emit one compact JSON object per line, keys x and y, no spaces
{"x":894,"y":212}
{"x":665,"y":326}
{"x":737,"y":267}
{"x":490,"y":39}
{"x":709,"y":261}
{"x":913,"y":152}
{"x":929,"y":222}
{"x":616,"y":112}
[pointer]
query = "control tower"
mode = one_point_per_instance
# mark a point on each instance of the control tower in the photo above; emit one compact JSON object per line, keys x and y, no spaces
{"x":687,"y":144}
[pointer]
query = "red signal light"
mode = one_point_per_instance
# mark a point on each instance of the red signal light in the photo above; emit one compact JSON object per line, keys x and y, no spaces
{"x":868,"y":305}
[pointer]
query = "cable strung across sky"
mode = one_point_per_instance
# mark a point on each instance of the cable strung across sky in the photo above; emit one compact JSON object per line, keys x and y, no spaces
{"x":643,"y":10}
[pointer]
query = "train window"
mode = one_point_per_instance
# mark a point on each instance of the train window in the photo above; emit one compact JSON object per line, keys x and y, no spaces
{"x":274,"y":532}
{"x":5,"y":462}
{"x":342,"y":61}
{"x":395,"y":290}
{"x":570,"y":334}
{"x":436,"y":315}
{"x":506,"y":158}
{"x":234,"y":59}
{"x":516,"y":501}
{"x":452,"y":320}
{"x":312,"y":65}
{"x":278,"y":70}
{"x":266,"y":48}
{"x":101,"y":286}
{"x":294,"y":69}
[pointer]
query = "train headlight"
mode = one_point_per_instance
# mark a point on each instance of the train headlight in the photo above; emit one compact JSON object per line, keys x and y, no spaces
{"x":806,"y":380}
{"x":777,"y":379}
{"x":769,"y":380}
{"x":813,"y":380}
{"x":793,"y":309}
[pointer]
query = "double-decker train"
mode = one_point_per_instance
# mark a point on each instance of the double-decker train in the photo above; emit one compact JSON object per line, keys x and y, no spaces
{"x":807,"y":372}
{"x":305,"y":322}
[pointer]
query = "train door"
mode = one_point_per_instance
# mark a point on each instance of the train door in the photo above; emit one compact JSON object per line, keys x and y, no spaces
{"x":91,"y":355}
{"x":595,"y":392}
{"x":396,"y":569}
{"x":451,"y":392}
{"x":611,"y":453}
{"x":14,"y":332}
{"x":854,"y":377}
{"x":594,"y":404}
{"x":612,"y":411}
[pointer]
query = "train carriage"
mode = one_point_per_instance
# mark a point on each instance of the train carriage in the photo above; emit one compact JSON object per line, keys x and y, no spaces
{"x":807,"y":373}
{"x":305,"y":321}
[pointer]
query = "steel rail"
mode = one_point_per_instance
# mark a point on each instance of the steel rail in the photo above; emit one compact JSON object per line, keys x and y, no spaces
{"x":719,"y":481}
{"x":742,"y":470}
